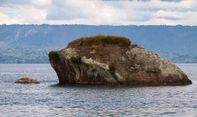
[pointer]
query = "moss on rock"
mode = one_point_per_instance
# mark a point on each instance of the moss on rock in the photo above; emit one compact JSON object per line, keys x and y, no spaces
{"x":53,"y":55}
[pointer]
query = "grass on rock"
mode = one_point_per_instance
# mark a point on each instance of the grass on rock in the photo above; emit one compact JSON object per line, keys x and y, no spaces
{"x":101,"y":40}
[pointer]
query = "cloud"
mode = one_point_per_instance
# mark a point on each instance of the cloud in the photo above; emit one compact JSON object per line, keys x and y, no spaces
{"x":10,"y":3}
{"x":137,"y":12}
{"x":21,"y":15}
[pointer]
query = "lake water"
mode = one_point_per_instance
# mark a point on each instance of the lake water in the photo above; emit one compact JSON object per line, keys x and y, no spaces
{"x":47,"y":99}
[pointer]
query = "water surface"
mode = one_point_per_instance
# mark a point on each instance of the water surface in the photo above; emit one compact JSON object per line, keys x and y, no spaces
{"x":47,"y":99}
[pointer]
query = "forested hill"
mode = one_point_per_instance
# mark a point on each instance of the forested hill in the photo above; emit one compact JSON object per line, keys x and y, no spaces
{"x":31,"y":43}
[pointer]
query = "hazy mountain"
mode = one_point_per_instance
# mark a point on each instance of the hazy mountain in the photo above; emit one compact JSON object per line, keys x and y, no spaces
{"x":30,"y":43}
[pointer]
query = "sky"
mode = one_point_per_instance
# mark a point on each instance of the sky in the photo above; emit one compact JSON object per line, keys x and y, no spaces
{"x":99,"y":12}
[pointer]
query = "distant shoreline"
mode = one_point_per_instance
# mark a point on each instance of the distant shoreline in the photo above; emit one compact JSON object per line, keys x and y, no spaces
{"x":30,"y":43}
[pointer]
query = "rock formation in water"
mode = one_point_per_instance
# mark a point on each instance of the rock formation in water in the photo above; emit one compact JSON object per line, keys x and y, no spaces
{"x":113,"y":60}
{"x":27,"y":80}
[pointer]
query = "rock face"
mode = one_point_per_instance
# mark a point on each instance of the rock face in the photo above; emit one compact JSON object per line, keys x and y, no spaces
{"x":27,"y":80}
{"x":113,"y":60}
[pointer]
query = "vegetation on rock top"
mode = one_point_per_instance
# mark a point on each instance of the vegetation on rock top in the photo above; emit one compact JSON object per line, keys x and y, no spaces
{"x":100,"y":40}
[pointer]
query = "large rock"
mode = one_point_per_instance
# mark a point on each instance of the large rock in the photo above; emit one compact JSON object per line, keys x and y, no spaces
{"x":113,"y":60}
{"x":27,"y":80}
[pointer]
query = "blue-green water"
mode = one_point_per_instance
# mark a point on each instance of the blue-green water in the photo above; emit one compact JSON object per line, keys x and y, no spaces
{"x":47,"y":99}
